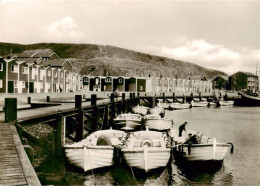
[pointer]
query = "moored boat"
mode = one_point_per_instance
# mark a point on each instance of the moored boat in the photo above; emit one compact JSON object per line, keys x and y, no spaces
{"x":197,"y":103}
{"x":204,"y":150}
{"x":146,"y":150}
{"x":140,"y":110}
{"x":248,"y":100}
{"x":157,"y":110}
{"x":96,"y":151}
{"x":178,"y":106}
{"x":155,"y":122}
{"x":128,"y":122}
{"x":226,"y":103}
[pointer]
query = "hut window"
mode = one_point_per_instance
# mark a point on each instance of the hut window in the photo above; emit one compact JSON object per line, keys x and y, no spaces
{"x":14,"y":68}
{"x":85,"y":79}
{"x":120,"y":80}
{"x":97,"y":80}
{"x":1,"y":66}
{"x":108,"y":80}
{"x":23,"y":84}
{"x":49,"y":73}
{"x":1,"y":83}
{"x":25,"y":70}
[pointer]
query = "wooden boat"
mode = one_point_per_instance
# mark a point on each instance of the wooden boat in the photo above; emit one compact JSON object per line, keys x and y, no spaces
{"x":96,"y":151}
{"x":146,"y":150}
{"x":140,"y":110}
{"x":128,"y":121}
{"x":178,"y":106}
{"x":155,"y":122}
{"x":207,"y":149}
{"x":197,"y":103}
{"x":248,"y":100}
{"x":226,"y":103}
{"x":157,"y":110}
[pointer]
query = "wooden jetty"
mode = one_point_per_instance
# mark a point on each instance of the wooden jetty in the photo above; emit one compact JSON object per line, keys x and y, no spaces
{"x":70,"y":123}
{"x":15,"y":166}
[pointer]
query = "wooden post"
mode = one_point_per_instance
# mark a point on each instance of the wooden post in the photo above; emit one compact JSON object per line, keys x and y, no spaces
{"x":106,"y":117}
{"x":113,"y":108}
{"x":225,"y":97}
{"x":153,"y":102}
{"x":124,"y":103}
{"x":80,"y":125}
{"x":112,"y":97}
{"x":200,"y":96}
{"x":48,"y":99}
{"x":173,"y":97}
{"x":93,"y":99}
{"x":191,"y":95}
{"x":163,"y":97}
{"x":131,"y":95}
{"x":183,"y":99}
{"x":95,"y":116}
{"x":78,"y":101}
{"x":29,"y":101}
{"x":10,"y":109}
{"x":58,"y":136}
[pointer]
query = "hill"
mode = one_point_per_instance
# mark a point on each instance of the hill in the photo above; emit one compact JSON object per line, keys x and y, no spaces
{"x":109,"y":60}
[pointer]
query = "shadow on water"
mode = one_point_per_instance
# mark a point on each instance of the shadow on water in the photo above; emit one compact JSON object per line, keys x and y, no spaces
{"x":204,"y":172}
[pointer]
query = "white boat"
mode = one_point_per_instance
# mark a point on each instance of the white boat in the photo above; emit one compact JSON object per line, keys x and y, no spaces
{"x":96,"y":151}
{"x":206,"y":150}
{"x":162,"y":104}
{"x":146,"y":150}
{"x":157,"y":110}
{"x":177,"y":106}
{"x":140,"y":110}
{"x":226,"y":103}
{"x":213,"y":103}
{"x":155,"y":122}
{"x":197,"y":103}
{"x":128,"y":121}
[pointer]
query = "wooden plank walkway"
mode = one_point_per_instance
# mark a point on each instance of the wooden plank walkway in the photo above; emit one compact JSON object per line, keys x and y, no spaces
{"x":15,"y":166}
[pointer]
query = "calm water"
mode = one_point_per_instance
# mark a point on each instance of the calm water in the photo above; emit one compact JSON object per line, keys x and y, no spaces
{"x":239,"y":125}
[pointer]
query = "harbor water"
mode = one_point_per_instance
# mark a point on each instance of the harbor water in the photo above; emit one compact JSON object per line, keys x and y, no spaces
{"x":238,"y":125}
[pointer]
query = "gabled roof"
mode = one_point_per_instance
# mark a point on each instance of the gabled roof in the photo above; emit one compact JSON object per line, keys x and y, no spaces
{"x":19,"y":55}
{"x":248,"y":73}
{"x":29,"y":60}
{"x":55,"y":62}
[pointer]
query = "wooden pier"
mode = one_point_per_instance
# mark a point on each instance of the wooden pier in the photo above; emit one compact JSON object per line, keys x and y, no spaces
{"x":15,"y":166}
{"x":66,"y":123}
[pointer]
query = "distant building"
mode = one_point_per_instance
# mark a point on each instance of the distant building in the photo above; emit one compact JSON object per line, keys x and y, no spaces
{"x":220,"y":83}
{"x":244,"y":80}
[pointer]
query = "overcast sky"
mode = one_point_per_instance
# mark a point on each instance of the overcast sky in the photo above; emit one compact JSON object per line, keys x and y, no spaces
{"x":222,"y":35}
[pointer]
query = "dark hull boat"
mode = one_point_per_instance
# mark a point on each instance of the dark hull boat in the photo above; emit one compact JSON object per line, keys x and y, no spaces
{"x":247,"y":100}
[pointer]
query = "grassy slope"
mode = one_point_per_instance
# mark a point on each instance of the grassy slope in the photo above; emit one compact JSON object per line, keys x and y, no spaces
{"x":109,"y":60}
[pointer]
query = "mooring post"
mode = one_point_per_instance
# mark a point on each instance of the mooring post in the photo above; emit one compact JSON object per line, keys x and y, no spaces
{"x":48,"y":99}
{"x":58,"y":136}
{"x":113,"y":109}
{"x":173,"y":97}
{"x":80,"y":118}
{"x":78,"y":101}
{"x":10,"y":109}
{"x":29,"y":100}
{"x":124,"y":103}
{"x":134,"y":100}
{"x":106,"y":117}
{"x":93,"y":99}
{"x":138,"y":98}
{"x":153,"y":102}
{"x":95,"y":113}
{"x":200,"y":96}
{"x":225,"y":97}
{"x":163,"y":94}
{"x":183,"y":99}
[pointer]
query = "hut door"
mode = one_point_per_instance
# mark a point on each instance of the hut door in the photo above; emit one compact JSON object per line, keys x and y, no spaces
{"x":10,"y":87}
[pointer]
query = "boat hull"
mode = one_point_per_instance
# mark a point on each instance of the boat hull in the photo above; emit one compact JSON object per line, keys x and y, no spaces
{"x":128,"y":125}
{"x":88,"y":158}
{"x":157,"y":110}
{"x":140,"y":110}
{"x":178,"y":106}
{"x":199,"y":104}
{"x":160,"y":125}
{"x":226,"y":103}
{"x":147,"y":159}
{"x":203,"y":152}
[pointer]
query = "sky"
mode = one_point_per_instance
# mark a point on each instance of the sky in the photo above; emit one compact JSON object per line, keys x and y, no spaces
{"x":221,"y":35}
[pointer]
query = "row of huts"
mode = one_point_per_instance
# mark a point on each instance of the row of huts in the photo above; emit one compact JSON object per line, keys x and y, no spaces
{"x":145,"y":84}
{"x":37,"y":71}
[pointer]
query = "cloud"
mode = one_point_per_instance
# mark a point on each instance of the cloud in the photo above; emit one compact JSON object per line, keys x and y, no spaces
{"x":64,"y":30}
{"x":212,"y":56}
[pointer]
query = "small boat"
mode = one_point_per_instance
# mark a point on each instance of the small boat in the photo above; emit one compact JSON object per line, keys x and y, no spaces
{"x":157,"y":110}
{"x":146,"y":150}
{"x":140,"y":110}
{"x":204,"y":150}
{"x":178,"y":106}
{"x":155,"y":122}
{"x":213,"y":103}
{"x":162,"y":104}
{"x":128,"y":121}
{"x":226,"y":103}
{"x":96,"y":151}
{"x":197,"y":103}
